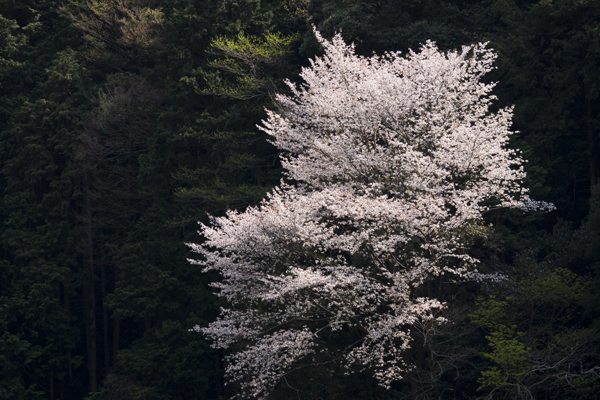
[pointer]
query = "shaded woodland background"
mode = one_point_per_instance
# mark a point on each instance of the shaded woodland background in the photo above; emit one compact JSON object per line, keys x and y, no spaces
{"x":124,"y":122}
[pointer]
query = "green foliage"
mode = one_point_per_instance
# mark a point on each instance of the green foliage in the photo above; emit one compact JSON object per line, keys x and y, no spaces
{"x":539,"y":346}
{"x":548,"y":58}
{"x":11,"y":42}
{"x":180,"y":153}
{"x":384,"y":26}
{"x":256,"y":64}
{"x":130,"y":119}
{"x":508,"y":355}
{"x":44,"y":94}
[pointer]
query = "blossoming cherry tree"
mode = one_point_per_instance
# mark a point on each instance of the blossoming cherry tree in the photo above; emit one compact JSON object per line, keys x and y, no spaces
{"x":388,"y":161}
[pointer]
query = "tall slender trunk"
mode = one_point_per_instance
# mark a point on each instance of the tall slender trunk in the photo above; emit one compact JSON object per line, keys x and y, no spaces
{"x":67,"y":306}
{"x":89,"y":295}
{"x":591,"y":138}
{"x":104,"y":312}
{"x":115,"y":336}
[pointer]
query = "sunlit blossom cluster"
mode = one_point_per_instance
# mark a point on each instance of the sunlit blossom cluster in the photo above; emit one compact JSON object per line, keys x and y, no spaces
{"x":390,"y":162}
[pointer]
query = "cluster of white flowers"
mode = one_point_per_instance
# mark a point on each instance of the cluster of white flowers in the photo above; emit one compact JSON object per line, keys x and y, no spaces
{"x":393,"y":160}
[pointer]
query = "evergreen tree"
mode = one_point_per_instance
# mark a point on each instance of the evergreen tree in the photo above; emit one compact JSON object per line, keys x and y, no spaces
{"x":45,"y":89}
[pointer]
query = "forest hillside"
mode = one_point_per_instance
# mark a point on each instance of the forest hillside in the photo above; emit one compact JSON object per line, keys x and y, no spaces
{"x":124,"y":123}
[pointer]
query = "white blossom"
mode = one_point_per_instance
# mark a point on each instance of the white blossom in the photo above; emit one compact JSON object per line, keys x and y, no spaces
{"x":388,"y":161}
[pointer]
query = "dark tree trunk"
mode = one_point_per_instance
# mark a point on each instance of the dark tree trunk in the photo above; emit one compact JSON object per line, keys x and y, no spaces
{"x":115,"y":336}
{"x":104,"y":313}
{"x":591,"y":138}
{"x":90,"y":297}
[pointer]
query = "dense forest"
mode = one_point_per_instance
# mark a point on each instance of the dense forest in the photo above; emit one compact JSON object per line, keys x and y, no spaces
{"x":125,"y":122}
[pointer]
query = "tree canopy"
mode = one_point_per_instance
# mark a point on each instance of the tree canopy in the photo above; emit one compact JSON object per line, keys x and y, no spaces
{"x":393,"y":162}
